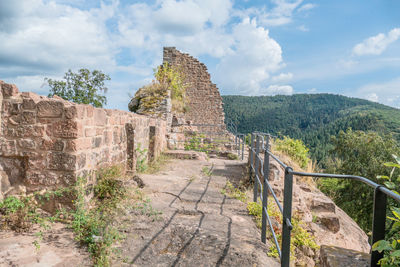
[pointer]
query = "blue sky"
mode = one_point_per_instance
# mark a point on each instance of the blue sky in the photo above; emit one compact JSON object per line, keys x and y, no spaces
{"x":250,"y":47}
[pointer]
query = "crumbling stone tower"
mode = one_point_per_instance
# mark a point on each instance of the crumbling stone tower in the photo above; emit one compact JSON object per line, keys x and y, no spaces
{"x":205,"y":102}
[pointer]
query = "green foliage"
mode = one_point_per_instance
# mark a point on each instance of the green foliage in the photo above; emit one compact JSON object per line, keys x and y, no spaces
{"x":107,"y":187}
{"x":18,"y":213}
{"x":157,"y":164}
{"x":83,"y":87}
{"x":93,"y":226}
{"x":234,"y":192}
{"x":300,"y":237}
{"x":174,"y":79}
{"x":362,"y":154}
{"x":313,"y":118}
{"x":167,"y":79}
{"x":196,"y":142}
{"x":11,"y":205}
{"x":391,"y":245}
{"x":232,"y":156}
{"x":294,"y":149}
{"x":141,"y":159}
{"x":207,"y":171}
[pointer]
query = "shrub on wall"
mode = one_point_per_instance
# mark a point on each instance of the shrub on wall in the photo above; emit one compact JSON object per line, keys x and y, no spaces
{"x":293,"y":148}
{"x":167,"y":79}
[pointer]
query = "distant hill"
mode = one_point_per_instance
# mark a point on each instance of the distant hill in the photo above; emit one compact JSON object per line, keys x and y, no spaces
{"x":313,"y":118}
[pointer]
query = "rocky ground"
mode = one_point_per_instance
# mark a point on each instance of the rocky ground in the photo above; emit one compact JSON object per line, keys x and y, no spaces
{"x":186,"y":221}
{"x":56,"y":248}
{"x":199,"y":225}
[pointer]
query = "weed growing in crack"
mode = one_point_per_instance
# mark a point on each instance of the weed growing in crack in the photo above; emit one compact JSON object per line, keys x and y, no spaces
{"x":207,"y":171}
{"x":94,"y":227}
{"x":141,"y":159}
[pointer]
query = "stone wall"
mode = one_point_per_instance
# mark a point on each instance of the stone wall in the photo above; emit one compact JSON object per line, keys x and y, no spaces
{"x":205,"y":102}
{"x":49,"y":142}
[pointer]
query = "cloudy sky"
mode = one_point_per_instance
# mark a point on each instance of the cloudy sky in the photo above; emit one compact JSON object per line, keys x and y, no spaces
{"x":251,"y":47}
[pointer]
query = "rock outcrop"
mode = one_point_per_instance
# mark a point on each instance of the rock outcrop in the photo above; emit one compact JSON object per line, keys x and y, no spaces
{"x":329,"y":224}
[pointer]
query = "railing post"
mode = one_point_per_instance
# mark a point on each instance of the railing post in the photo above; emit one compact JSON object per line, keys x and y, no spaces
{"x":287,"y":217}
{"x":251,"y":156}
{"x":256,"y":168}
{"x":236,"y":137}
{"x":378,"y":224}
{"x":243,"y":143}
{"x":265,"y":192}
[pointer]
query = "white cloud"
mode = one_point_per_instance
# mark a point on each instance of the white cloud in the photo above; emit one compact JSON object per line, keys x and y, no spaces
{"x":372,"y":97}
{"x":45,"y":38}
{"x":282,"y":78}
{"x":386,"y":92}
{"x":306,"y":7}
{"x":282,"y":12}
{"x":303,"y":28}
{"x":375,"y":45}
{"x":254,"y":57}
{"x":278,"y":90}
{"x":50,"y":37}
{"x":312,"y":91}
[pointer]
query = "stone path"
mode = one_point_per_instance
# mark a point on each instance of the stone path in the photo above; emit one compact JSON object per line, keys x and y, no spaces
{"x":58,"y":248}
{"x":199,"y":226}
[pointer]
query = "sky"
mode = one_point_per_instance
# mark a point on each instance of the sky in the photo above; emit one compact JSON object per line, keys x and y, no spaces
{"x":251,"y":47}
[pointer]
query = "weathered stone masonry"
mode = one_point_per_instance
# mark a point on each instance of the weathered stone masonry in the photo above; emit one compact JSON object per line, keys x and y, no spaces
{"x":49,"y":142}
{"x":205,"y":102}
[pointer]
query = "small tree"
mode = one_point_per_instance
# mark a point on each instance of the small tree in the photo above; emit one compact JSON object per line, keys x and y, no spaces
{"x":82,"y":87}
{"x":359,"y":153}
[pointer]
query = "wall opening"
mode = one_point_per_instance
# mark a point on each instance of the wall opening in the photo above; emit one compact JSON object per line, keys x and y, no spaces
{"x":12,"y":175}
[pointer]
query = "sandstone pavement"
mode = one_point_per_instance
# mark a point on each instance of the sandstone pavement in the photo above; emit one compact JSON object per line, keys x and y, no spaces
{"x":199,"y":225}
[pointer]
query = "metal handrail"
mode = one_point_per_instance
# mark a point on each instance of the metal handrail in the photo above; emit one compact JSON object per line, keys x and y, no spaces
{"x":260,"y":141}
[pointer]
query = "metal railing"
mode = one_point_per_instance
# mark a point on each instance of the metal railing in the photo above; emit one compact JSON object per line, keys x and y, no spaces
{"x":208,"y":137}
{"x":259,"y":168}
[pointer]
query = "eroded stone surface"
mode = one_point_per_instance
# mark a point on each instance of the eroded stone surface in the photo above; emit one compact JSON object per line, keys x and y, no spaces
{"x":332,"y":256}
{"x":199,"y":226}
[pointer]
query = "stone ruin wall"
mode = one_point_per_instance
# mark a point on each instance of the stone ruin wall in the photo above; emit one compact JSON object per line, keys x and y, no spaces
{"x":205,"y":102}
{"x":49,"y":142}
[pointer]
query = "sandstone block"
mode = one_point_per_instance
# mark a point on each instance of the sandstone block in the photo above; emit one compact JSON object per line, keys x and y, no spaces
{"x":27,"y":143}
{"x":96,"y":142}
{"x":8,"y":147}
{"x":26,"y":117}
{"x":330,"y":221}
{"x":61,"y":161}
{"x":331,"y":256}
{"x":79,"y":144}
{"x":36,"y":178}
{"x":100,"y":117}
{"x":89,"y":111}
{"x":64,"y":129}
{"x":75,"y":111}
{"x":319,"y":204}
{"x":49,"y":109}
{"x":9,"y":90}
{"x":28,"y":103}
{"x":89,"y":132}
{"x":81,"y":161}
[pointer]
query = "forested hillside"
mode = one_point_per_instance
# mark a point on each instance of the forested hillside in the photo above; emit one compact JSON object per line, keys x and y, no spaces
{"x":313,"y":118}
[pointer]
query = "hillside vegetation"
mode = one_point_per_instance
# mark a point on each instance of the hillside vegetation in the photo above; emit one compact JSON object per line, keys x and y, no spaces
{"x":313,"y":118}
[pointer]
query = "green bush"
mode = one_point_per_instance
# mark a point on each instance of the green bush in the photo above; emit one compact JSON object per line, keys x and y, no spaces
{"x":299,"y":236}
{"x":363,"y":154}
{"x":167,"y":78}
{"x":391,"y":245}
{"x":294,"y":149}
